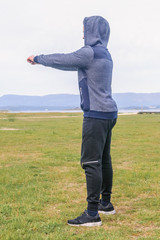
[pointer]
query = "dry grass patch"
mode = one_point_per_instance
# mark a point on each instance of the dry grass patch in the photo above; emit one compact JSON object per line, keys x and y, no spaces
{"x":124,"y":165}
{"x":18,"y":158}
{"x":51,"y":210}
{"x":9,"y":129}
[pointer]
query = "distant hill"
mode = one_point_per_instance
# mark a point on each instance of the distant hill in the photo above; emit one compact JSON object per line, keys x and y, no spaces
{"x":71,"y":101}
{"x":50,"y":102}
{"x":131,"y":100}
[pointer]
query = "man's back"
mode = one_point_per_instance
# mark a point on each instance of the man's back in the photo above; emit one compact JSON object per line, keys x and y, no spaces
{"x":97,"y":85}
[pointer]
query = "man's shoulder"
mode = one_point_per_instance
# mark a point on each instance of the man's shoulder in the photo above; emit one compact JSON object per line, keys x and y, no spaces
{"x":86,"y":51}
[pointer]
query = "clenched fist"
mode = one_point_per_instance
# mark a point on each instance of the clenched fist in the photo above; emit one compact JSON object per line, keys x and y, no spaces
{"x":31,"y":60}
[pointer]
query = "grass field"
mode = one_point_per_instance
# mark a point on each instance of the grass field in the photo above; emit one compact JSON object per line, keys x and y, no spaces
{"x":42,"y":184}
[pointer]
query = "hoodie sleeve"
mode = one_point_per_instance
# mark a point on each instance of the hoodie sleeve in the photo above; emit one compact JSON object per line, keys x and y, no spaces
{"x":69,"y":61}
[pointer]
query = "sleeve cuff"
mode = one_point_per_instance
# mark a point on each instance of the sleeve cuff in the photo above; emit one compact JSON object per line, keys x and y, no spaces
{"x":36,"y":59}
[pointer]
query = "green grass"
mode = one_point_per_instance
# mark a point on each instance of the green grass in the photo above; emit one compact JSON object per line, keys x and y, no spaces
{"x":42,"y":184}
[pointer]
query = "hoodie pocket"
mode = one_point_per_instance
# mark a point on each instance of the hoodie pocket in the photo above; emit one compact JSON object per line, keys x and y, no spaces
{"x":84,"y":94}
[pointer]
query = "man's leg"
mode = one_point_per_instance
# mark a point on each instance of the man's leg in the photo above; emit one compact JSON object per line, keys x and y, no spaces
{"x":107,"y":171}
{"x":105,"y":205}
{"x":93,"y":141}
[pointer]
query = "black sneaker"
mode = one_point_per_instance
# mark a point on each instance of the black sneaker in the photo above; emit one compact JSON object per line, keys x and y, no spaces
{"x":109,"y":209}
{"x":86,"y":220}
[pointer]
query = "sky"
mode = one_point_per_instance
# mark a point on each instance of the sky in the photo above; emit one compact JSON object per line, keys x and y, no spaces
{"x":34,"y":27}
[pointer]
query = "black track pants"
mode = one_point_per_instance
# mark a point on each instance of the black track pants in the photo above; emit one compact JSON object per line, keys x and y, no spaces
{"x":96,"y":159}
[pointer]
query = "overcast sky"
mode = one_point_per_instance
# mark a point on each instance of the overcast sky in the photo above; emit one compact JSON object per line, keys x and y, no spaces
{"x":34,"y":27}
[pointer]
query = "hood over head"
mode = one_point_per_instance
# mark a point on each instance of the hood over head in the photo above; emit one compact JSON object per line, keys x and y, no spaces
{"x":96,"y":31}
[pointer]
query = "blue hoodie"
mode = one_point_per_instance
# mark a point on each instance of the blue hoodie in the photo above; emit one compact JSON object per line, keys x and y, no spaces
{"x":94,"y":65}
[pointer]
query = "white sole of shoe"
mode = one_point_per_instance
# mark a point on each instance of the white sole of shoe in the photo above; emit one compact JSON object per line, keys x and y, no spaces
{"x":107,"y":213}
{"x":93,"y":224}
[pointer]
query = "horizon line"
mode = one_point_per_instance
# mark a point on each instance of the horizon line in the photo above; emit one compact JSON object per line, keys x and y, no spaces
{"x":74,"y":94}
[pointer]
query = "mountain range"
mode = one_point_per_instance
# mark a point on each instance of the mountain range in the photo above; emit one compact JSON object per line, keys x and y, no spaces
{"x":70,"y":101}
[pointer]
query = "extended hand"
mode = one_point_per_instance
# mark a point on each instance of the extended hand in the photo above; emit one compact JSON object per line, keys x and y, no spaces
{"x":31,"y":60}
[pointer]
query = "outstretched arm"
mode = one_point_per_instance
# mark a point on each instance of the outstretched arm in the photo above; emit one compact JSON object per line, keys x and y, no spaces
{"x":69,"y":62}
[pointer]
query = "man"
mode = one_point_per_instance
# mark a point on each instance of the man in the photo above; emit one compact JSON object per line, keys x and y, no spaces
{"x":94,"y":65}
